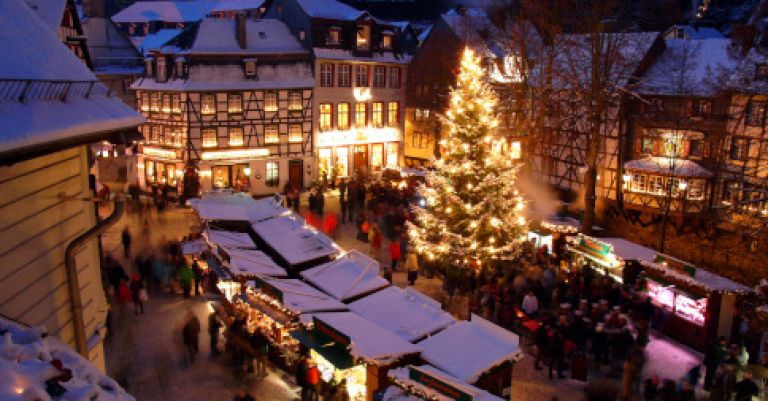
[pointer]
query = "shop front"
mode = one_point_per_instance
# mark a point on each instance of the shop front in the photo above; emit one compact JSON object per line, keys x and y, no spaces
{"x":616,"y":258}
{"x":426,"y":383}
{"x":160,"y":167}
{"x":357,"y":152}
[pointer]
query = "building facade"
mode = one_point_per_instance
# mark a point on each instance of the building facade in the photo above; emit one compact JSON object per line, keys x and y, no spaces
{"x":230,"y":108}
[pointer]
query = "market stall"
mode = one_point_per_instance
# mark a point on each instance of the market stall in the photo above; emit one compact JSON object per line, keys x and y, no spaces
{"x":476,"y":352}
{"x":426,"y":383}
{"x":348,"y":277}
{"x":407,"y":313}
{"x":266,"y":208}
{"x":228,"y":239}
{"x":541,"y":237}
{"x":294,"y":244}
{"x":615,"y":257}
{"x":247,"y":264}
{"x":223,"y":209}
{"x":354,"y":353}
{"x":699,"y":305}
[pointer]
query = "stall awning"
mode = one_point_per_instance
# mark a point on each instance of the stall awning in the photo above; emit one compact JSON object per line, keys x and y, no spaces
{"x":335,"y":353}
{"x":597,"y":251}
{"x":216,"y":267}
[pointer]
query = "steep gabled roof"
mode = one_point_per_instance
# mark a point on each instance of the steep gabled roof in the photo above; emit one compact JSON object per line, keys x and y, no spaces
{"x":166,"y":11}
{"x":330,"y":9}
{"x":49,"y":11}
{"x":263,"y":36}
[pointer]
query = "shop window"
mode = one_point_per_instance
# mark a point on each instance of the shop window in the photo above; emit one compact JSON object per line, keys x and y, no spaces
{"x":739,"y":148}
{"x":345,"y":70}
{"x":149,"y":169}
{"x":271,"y":134}
{"x":325,"y":160}
{"x":342,"y":115}
{"x":294,"y":133}
{"x":696,"y":189}
{"x":696,"y":149}
{"x":235,"y":104}
{"x":379,"y":76}
{"x":655,"y":184}
{"x":153,"y":104}
{"x":241,"y":180}
{"x":386,"y":41}
{"x":363,"y":37}
{"x":515,"y":150}
{"x":325,"y":116}
{"x":755,"y":114}
{"x":236,"y":136}
{"x":361,"y":115}
{"x":377,"y":156}
{"x":648,"y":145}
{"x":176,"y":104}
{"x":209,"y":138}
{"x":393,"y":114}
{"x":208,"y":104}
{"x":342,"y":161}
{"x":639,"y":182}
{"x":166,"y":104}
{"x":326,"y":74}
{"x":377,"y":118}
{"x":392,"y":154}
{"x":394,"y":77}
{"x":273,"y":174}
{"x":361,"y":76}
{"x":221,"y":176}
{"x":270,"y":101}
{"x":294,"y":100}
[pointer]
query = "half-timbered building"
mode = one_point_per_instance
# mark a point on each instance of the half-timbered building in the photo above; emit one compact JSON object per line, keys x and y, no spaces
{"x":231,"y":105}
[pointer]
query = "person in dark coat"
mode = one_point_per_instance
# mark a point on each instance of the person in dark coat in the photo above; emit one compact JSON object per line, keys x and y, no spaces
{"x":557,"y":353}
{"x":190,"y":335}
{"x":137,"y":285}
{"x":214,"y":327}
{"x":198,"y":276}
{"x":747,"y":388}
{"x":541,"y":339}
{"x":343,"y":201}
{"x":126,"y":238}
{"x":712,"y":360}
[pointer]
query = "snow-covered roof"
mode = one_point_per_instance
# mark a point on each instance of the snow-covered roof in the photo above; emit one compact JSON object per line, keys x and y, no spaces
{"x":51,"y":12}
{"x":155,"y":40}
{"x":266,"y":208}
{"x":628,"y":250}
{"x":666,"y":166}
{"x":248,"y":262}
{"x":218,"y":210}
{"x":110,"y":50}
{"x":741,"y":77}
{"x":330,"y":9}
{"x":263,"y":36}
{"x":475,"y":29}
{"x":347,"y":277}
{"x":468,"y":349}
{"x":702,"y":278}
{"x":165,"y":11}
{"x":237,"y":206}
{"x":194,"y":247}
{"x":375,"y":57}
{"x":692,"y":32}
{"x":300,"y":297}
{"x":231,"y":77}
{"x":236,"y":5}
{"x":26,"y":364}
{"x":407,"y":313}
{"x":229,"y":239}
{"x":293,"y":240}
{"x":369,"y":341}
{"x":403,"y":375}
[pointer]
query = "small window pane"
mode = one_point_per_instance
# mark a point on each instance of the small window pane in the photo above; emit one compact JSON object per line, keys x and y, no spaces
{"x":270,"y":134}
{"x":379,"y":76}
{"x":342,"y":116}
{"x":294,"y":100}
{"x":393,"y":114}
{"x":235,"y":104}
{"x":294,"y":133}
{"x":273,"y":174}
{"x":208,"y":104}
{"x":325,"y":116}
{"x":326,"y":74}
{"x":209,"y":138}
{"x":236,"y":136}
{"x":377,"y":118}
{"x":344,"y":73}
{"x":361,"y":115}
{"x":270,"y":101}
{"x":361,"y":76}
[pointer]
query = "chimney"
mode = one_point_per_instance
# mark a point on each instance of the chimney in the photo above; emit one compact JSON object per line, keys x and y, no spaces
{"x":94,"y":8}
{"x":240,"y":32}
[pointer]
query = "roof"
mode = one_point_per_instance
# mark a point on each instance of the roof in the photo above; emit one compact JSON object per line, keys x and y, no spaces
{"x":230,"y":77}
{"x":293,"y":240}
{"x":347,"y":277}
{"x":229,"y":239}
{"x":330,"y":9}
{"x":263,"y":36}
{"x":166,"y":11}
{"x":403,"y":375}
{"x":266,"y":208}
{"x":702,"y":278}
{"x":155,"y":40}
{"x":25,"y":360}
{"x":375,"y":57}
{"x":369,"y":341}
{"x":248,"y":262}
{"x":235,"y":5}
{"x":300,"y":297}
{"x":109,"y":49}
{"x":218,"y":209}
{"x":194,"y":247}
{"x":692,"y":32}
{"x":407,"y":313}
{"x":475,"y":29}
{"x":468,"y":349}
{"x":51,"y":12}
{"x":628,"y":250}
{"x":667,"y":166}
{"x":237,"y":206}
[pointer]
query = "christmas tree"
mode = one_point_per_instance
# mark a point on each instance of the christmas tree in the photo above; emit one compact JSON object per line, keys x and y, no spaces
{"x":474,"y":212}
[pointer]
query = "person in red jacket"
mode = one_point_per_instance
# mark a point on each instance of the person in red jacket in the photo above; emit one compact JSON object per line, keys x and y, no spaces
{"x":394,"y":252}
{"x":312,"y":380}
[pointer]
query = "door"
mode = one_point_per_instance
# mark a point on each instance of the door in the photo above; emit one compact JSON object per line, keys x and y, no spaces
{"x":296,"y":173}
{"x":361,"y":160}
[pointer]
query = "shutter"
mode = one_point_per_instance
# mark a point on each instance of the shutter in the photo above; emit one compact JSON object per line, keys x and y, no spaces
{"x":689,"y":108}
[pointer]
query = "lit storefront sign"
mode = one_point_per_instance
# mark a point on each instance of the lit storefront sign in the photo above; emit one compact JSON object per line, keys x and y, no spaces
{"x":235,"y":154}
{"x":159,"y":152}
{"x":361,"y":136}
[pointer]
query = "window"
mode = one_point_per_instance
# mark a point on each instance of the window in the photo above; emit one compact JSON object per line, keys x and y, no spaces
{"x":273,"y":174}
{"x":157,"y":133}
{"x":209,"y":138}
{"x":345,"y":71}
{"x":302,"y":34}
{"x":161,"y":70}
{"x":393,"y":114}
{"x":379,"y":76}
{"x":270,"y":134}
{"x":208,"y":104}
{"x":363,"y":35}
{"x":386,"y":41}
{"x":176,"y":104}
{"x":421,"y":114}
{"x":294,"y":133}
{"x":325,"y":116}
{"x":153,"y":102}
{"x":394,"y":78}
{"x":515,"y":150}
{"x":250,"y":68}
{"x":655,"y":184}
{"x":696,"y":189}
{"x":696,"y":149}
{"x":361,"y":115}
{"x":392,"y":154}
{"x":419,"y":140}
{"x":166,"y":104}
{"x":294,"y":100}
{"x":270,"y":101}
{"x":377,"y":116}
{"x":333,"y":36}
{"x":761,"y":71}
{"x":755,"y":114}
{"x":167,"y":136}
{"x":739,"y":148}
{"x":701,"y":108}
{"x":342,"y":115}
{"x":235,"y":104}
{"x":361,"y":75}
{"x":236,"y":136}
{"x":648,"y":145}
{"x":326,"y":74}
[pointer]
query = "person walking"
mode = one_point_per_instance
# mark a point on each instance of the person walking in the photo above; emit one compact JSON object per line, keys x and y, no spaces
{"x":185,"y":276}
{"x":126,"y":238}
{"x":214,"y":329}
{"x":633,"y":367}
{"x":714,"y":357}
{"x":746,"y":388}
{"x":394,"y":253}
{"x":261,"y":346}
{"x":190,"y":335}
{"x":375,"y":238}
{"x":343,"y":200}
{"x":352,"y":189}
{"x":412,"y":266}
{"x":530,"y":304}
{"x":138,"y":294}
{"x":313,"y":379}
{"x":197,"y":273}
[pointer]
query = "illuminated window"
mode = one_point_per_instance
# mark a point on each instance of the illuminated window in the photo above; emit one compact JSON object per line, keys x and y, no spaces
{"x":153,"y":102}
{"x":379,"y":76}
{"x":393,"y":114}
{"x":166,"y":104}
{"x":270,"y":134}
{"x":161,"y":69}
{"x":209,"y":138}
{"x":167,"y":136}
{"x":377,"y":115}
{"x":342,"y":116}
{"x":345,"y":70}
{"x":701,"y":108}
{"x":325,"y":116}
{"x":294,"y":133}
{"x":273,"y":174}
{"x":333,"y":36}
{"x":326,"y":74}
{"x":419,"y":140}
{"x":235,"y":104}
{"x":394,"y":77}
{"x":361,"y":75}
{"x":377,"y":156}
{"x":655,"y":184}
{"x":208,"y":104}
{"x":176,"y":104}
{"x":696,"y":189}
{"x":157,"y":133}
{"x":739,"y":148}
{"x":392,"y":154}
{"x":236,"y":136}
{"x":386,"y":41}
{"x":250,"y":68}
{"x":179,"y":136}
{"x":756,"y":114}
{"x":361,"y":115}
{"x":363,"y":37}
{"x":294,"y":100}
{"x":515,"y":150}
{"x":639,"y":182}
{"x":270,"y":101}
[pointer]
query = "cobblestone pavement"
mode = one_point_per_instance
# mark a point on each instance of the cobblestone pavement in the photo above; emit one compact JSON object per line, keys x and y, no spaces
{"x":144,"y":350}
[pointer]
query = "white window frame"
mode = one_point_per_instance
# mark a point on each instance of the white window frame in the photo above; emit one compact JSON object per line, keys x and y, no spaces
{"x":345,"y":75}
{"x":236,"y":137}
{"x":379,"y":76}
{"x":270,"y":101}
{"x":207,"y":104}
{"x":271,"y":134}
{"x":209,"y":137}
{"x":326,"y":75}
{"x":361,"y":76}
{"x":294,"y":133}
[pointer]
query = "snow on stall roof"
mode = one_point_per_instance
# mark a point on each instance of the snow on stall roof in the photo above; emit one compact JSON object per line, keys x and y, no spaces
{"x":165,"y":11}
{"x":370,"y":342}
{"x":707,"y":280}
{"x":222,"y":211}
{"x":230,"y":77}
{"x":407,"y":313}
{"x":50,"y":12}
{"x":266,"y":208}
{"x":628,"y":250}
{"x":300,"y":297}
{"x":235,"y":5}
{"x":402,"y":374}
{"x":25,"y":362}
{"x":667,"y":165}
{"x":263,"y":36}
{"x":330,"y":9}
{"x":468,"y":349}
{"x":155,"y":40}
{"x":248,"y":262}
{"x":293,"y":240}
{"x":194,"y":247}
{"x":394,"y":393}
{"x":376,"y":57}
{"x":230,"y":239}
{"x":347,"y":277}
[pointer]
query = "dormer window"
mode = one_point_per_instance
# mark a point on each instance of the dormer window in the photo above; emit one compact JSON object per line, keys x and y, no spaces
{"x":761,"y":71}
{"x":386,"y":40}
{"x":148,"y":67}
{"x":363,"y":37}
{"x":334,"y":36}
{"x":250,"y":67}
{"x":180,"y":72}
{"x":302,"y":35}
{"x":161,"y":69}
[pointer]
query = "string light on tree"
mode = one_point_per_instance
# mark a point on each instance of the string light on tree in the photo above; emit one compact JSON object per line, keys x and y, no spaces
{"x":475,"y":213}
